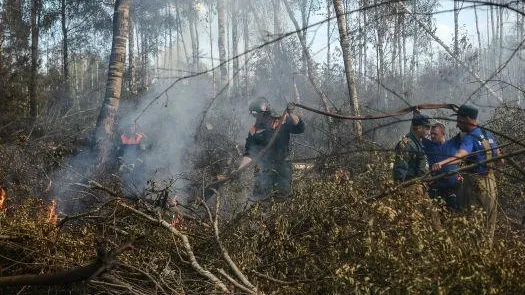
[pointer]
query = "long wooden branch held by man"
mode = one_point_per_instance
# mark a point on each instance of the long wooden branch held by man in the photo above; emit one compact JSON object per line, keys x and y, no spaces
{"x":426,"y":106}
{"x":104,"y":262}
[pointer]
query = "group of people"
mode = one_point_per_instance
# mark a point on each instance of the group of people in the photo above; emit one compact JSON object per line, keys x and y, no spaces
{"x":425,"y":149}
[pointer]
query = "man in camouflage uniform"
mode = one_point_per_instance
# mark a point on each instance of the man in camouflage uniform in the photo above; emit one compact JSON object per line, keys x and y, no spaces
{"x":411,"y":161}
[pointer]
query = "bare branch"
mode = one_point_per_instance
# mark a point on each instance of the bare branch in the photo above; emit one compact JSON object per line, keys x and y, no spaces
{"x":234,"y":282}
{"x":186,"y":243}
{"x":224,"y":251}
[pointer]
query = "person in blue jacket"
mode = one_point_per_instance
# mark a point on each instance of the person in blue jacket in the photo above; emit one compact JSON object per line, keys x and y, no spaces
{"x":478,"y":148}
{"x":437,"y":149}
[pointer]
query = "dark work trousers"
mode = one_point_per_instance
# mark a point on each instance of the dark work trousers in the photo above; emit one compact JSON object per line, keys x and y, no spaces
{"x":447,"y":193}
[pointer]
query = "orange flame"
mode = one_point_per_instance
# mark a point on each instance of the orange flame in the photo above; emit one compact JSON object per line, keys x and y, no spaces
{"x":3,"y":197}
{"x":52,"y":216}
{"x":176,"y":214}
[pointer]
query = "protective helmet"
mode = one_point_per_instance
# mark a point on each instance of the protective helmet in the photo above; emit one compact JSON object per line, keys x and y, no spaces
{"x":259,"y":105}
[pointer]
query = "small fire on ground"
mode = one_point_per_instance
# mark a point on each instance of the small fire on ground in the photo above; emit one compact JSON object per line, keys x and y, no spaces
{"x":52,"y":216}
{"x":3,"y":198}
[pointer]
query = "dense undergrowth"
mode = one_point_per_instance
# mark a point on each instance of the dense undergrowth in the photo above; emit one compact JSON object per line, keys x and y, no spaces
{"x":328,"y":239}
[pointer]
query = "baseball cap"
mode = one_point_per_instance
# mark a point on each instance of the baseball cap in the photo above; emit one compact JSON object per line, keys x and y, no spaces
{"x":420,"y":120}
{"x":467,"y":111}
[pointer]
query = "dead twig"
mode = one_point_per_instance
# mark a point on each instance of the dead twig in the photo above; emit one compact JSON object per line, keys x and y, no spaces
{"x":95,"y":185}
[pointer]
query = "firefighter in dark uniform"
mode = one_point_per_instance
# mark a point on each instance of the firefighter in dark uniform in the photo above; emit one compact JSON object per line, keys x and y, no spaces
{"x":411,"y":161}
{"x":273,"y":167}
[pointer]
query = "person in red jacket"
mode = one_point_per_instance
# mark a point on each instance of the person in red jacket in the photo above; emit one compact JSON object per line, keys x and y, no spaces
{"x":131,"y":148}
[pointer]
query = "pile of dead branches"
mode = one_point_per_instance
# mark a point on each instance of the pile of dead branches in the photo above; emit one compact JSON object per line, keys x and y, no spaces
{"x":327,"y":239}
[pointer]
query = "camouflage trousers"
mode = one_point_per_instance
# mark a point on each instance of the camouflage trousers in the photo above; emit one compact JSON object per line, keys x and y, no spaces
{"x":481,"y":191}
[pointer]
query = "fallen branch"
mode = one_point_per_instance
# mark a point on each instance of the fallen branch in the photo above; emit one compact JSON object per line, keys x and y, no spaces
{"x":103,"y":263}
{"x":185,"y":242}
{"x":224,"y":251}
{"x":85,"y":214}
{"x":95,"y":185}
{"x":234,"y":282}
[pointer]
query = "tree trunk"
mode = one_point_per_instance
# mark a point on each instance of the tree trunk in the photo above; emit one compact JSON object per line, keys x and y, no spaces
{"x":65,"y":58}
{"x":35,"y":12}
{"x":246,"y":37}
{"x":348,"y":63}
{"x":456,"y":29}
{"x":193,"y":39}
{"x":312,"y":75}
{"x":304,"y":24}
{"x":328,"y":39}
{"x":103,"y":137}
{"x":179,"y":31}
{"x":170,"y":41}
{"x":500,"y":36}
{"x":221,"y":22}
{"x":197,"y":46}
{"x":395,"y":43}
{"x":131,"y":57}
{"x":415,"y":56}
{"x":235,"y":42}
{"x":478,"y":34}
{"x":213,"y":73}
{"x":364,"y":45}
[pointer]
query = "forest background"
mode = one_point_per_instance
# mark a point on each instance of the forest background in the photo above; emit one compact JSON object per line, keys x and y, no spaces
{"x":184,"y":71}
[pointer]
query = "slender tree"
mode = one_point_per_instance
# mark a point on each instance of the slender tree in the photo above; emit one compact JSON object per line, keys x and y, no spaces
{"x":348,"y":63}
{"x":103,"y":135}
{"x":221,"y":23}
{"x":35,"y":30}
{"x":65,"y":57}
{"x":235,"y":43}
{"x":456,"y":28}
{"x":246,"y":38}
{"x":312,"y":74}
{"x":132,"y":83}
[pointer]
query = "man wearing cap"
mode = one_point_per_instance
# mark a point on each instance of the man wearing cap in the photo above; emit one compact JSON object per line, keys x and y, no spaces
{"x":411,"y":161}
{"x":437,"y":149}
{"x":477,"y":146}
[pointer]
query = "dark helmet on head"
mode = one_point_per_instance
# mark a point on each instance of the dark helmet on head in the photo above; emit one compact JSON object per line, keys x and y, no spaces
{"x":259,"y":105}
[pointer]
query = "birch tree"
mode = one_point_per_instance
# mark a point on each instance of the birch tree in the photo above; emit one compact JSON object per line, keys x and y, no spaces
{"x":103,"y":136}
{"x":348,"y":63}
{"x":221,"y":23}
